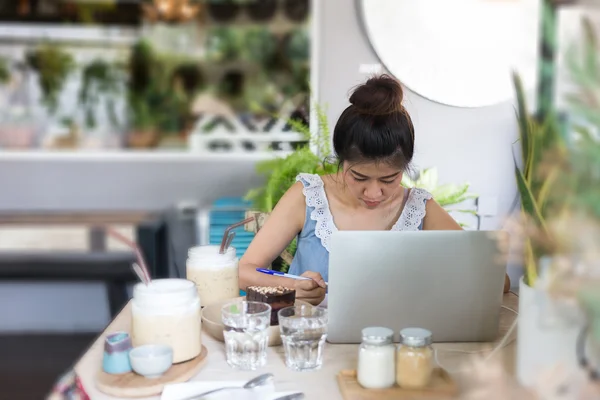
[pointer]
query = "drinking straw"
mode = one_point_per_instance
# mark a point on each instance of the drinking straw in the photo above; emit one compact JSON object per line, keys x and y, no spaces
{"x":140,"y":274}
{"x":135,"y":249}
{"x":224,"y":244}
{"x":229,"y":240}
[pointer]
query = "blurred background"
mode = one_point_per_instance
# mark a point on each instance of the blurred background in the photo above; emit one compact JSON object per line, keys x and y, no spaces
{"x":162,"y":118}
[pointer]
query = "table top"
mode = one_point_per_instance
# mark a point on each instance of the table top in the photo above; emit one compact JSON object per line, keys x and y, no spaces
{"x":317,"y":384}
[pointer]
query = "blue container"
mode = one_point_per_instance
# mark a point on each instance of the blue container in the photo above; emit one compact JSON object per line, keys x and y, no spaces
{"x":116,"y":353}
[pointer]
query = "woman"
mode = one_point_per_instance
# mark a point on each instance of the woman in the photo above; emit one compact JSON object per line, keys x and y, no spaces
{"x":374,"y":143}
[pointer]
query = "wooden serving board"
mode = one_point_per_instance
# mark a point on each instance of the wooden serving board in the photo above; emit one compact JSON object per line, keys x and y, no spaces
{"x":133,"y":385}
{"x":441,"y":387}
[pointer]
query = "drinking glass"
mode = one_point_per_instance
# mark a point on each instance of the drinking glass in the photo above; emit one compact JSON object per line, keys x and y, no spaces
{"x":303,"y":333}
{"x":246,"y":333}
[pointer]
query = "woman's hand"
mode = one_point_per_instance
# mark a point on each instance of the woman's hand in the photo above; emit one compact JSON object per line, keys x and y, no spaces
{"x":312,"y":291}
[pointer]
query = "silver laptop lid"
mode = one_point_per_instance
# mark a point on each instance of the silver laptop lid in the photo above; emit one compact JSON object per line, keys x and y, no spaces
{"x":449,"y":282}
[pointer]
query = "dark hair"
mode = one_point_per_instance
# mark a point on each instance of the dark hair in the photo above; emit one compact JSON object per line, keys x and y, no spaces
{"x":376,"y":126}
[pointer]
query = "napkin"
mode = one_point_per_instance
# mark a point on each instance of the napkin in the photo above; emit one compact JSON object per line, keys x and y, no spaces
{"x":179,"y":391}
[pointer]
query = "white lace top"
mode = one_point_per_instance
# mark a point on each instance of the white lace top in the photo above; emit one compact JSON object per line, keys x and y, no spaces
{"x":313,"y":242}
{"x":314,"y":192}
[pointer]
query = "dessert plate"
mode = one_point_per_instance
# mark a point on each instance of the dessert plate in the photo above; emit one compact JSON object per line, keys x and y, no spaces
{"x":211,"y":321}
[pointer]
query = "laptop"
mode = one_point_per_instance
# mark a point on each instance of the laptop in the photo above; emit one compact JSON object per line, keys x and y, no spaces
{"x":449,"y":282}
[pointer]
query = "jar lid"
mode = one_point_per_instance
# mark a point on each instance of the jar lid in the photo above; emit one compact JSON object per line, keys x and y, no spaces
{"x":169,"y":292}
{"x":377,"y":334}
{"x":415,"y":337}
{"x":210,"y":254}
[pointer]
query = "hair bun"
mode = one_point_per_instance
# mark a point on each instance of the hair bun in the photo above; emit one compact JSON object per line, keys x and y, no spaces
{"x":380,"y":95}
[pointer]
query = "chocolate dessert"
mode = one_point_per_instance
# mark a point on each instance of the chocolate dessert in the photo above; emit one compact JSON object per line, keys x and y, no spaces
{"x":277,"y":297}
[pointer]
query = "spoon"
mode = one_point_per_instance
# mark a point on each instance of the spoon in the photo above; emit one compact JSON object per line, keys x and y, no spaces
{"x":294,"y":396}
{"x":260,"y":380}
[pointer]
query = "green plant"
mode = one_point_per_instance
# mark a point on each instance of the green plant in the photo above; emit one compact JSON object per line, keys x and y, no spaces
{"x":281,"y":172}
{"x":101,"y":82}
{"x":223,"y":44}
{"x":560,"y":175}
{"x":447,"y":195}
{"x":535,"y":179}
{"x":4,"y":71}
{"x":160,"y":90}
{"x":53,"y":66}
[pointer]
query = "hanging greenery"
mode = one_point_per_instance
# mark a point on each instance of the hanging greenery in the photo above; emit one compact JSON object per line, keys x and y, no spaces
{"x":160,"y":90}
{"x":101,"y":82}
{"x":53,"y":66}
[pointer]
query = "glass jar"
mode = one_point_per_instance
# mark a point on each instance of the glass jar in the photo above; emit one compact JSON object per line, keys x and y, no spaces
{"x":414,"y":358}
{"x":215,"y":275}
{"x":376,"y":367}
{"x":167,"y":312}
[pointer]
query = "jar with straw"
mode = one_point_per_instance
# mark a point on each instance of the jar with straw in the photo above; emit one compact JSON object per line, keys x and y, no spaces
{"x":164,"y":311}
{"x":214,"y":268}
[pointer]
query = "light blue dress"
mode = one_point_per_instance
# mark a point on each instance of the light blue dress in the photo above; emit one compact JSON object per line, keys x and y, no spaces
{"x":312,"y":253}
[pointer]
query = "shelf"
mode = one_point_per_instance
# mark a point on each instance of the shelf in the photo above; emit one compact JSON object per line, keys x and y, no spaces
{"x":135,"y":156}
{"x":68,"y":34}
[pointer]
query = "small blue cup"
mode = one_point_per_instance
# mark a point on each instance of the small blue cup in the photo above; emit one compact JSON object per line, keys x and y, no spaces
{"x":117,"y":346}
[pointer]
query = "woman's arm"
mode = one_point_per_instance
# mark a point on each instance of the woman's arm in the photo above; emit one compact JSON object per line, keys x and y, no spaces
{"x":437,"y":219}
{"x":282,"y":226}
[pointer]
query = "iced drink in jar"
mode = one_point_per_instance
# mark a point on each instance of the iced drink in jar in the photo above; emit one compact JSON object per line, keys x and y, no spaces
{"x":167,"y":311}
{"x":215,"y":275}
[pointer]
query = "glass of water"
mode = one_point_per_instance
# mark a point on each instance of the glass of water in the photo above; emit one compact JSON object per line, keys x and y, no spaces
{"x":303,"y":333}
{"x":246,"y":333}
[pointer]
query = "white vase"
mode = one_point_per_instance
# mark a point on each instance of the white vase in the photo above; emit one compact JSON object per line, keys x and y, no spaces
{"x":542,"y":344}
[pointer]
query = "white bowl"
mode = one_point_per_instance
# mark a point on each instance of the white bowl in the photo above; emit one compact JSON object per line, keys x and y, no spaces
{"x":151,"y":360}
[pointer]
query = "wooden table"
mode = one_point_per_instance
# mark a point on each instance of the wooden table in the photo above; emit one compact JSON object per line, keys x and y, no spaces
{"x":317,"y":385}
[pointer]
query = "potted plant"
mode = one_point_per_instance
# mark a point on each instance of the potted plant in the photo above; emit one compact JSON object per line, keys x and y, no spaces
{"x":260,"y":46}
{"x":223,"y":44}
{"x":101,"y":83}
{"x":53,"y":66}
{"x":447,"y":195}
{"x":160,"y":93}
{"x":559,"y":198}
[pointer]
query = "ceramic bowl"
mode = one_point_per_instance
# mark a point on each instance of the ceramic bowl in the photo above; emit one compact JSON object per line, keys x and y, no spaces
{"x":212,"y":324}
{"x":151,"y":360}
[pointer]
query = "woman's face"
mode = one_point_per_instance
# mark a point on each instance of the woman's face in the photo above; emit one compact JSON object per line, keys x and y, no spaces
{"x":373,"y":184}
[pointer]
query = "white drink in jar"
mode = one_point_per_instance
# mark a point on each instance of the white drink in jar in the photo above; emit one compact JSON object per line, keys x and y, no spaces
{"x":167,"y":311}
{"x":215,"y":275}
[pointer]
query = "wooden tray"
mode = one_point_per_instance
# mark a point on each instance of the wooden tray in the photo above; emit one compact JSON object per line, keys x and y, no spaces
{"x":442,"y":387}
{"x":134,"y":385}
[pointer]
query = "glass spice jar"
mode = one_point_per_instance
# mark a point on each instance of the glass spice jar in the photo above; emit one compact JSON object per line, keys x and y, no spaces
{"x":414,"y":358}
{"x":376,"y":365}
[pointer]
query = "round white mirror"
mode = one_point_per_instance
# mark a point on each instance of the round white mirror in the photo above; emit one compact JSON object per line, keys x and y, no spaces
{"x":456,"y":52}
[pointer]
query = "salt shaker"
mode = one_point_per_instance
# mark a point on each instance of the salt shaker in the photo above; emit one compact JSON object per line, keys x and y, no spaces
{"x":414,"y":358}
{"x":376,"y":366}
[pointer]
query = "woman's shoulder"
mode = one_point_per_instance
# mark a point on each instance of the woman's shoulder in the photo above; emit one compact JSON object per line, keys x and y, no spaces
{"x":419,"y":195}
{"x":309,"y":180}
